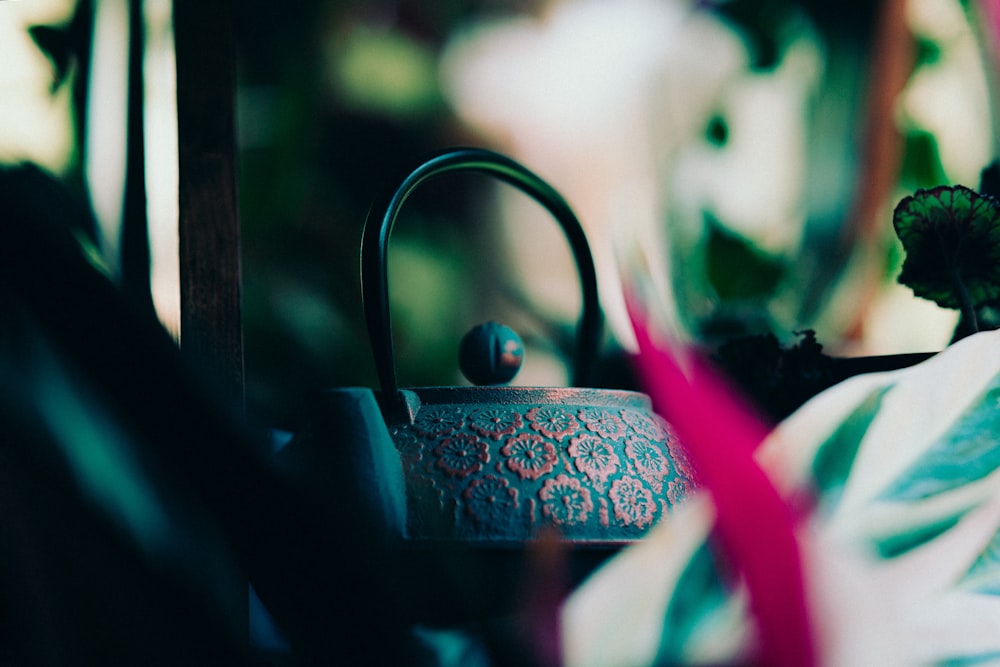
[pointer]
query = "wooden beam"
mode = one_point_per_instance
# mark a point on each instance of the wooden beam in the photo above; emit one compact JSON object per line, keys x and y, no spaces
{"x":211,"y":324}
{"x":135,"y":224}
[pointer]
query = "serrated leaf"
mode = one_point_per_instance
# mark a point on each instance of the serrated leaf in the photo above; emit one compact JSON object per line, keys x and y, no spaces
{"x":951,"y":235}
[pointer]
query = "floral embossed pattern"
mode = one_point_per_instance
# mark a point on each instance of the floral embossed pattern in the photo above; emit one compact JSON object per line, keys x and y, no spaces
{"x":565,"y":501}
{"x":678,"y":489}
{"x":604,"y":423}
{"x":593,"y":457}
{"x":490,"y":500}
{"x":644,"y":426}
{"x":437,"y":422}
{"x":633,"y":502}
{"x":495,"y":423}
{"x":552,"y":422}
{"x":601,"y":473}
{"x":461,"y":455}
{"x":410,"y":448}
{"x":530,"y":456}
{"x":650,"y":461}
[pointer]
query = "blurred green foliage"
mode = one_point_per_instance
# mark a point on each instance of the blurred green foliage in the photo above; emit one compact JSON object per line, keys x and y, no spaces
{"x":339,"y":99}
{"x":737,"y":269}
{"x":342,"y":99}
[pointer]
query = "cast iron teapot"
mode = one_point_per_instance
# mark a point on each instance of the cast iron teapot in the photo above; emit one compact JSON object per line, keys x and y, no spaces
{"x":499,"y":464}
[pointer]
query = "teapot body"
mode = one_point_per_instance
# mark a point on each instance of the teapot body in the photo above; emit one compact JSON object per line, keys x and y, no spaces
{"x":504,"y":464}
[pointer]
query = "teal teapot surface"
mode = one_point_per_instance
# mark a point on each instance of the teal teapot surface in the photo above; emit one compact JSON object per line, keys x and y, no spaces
{"x":494,"y":463}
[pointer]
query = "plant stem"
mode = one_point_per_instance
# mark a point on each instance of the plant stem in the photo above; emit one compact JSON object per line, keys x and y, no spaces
{"x":968,"y":310}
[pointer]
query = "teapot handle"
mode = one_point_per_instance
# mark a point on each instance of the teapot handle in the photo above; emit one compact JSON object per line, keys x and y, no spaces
{"x":375,"y":243}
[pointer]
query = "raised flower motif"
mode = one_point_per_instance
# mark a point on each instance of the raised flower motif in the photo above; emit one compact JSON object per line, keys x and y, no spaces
{"x":529,"y":455}
{"x":633,"y":502}
{"x":679,"y":489}
{"x":649,"y":460}
{"x":490,"y":500}
{"x":435,"y":422}
{"x":682,"y":464}
{"x":552,"y":422}
{"x":427,"y":496}
{"x":409,"y":446}
{"x":495,"y":423}
{"x":644,"y":426}
{"x":665,"y":426}
{"x":593,"y":457}
{"x":461,"y":455}
{"x":564,"y":501}
{"x":604,"y":423}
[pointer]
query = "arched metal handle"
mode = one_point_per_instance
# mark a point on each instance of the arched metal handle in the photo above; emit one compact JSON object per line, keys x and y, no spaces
{"x":375,"y":243}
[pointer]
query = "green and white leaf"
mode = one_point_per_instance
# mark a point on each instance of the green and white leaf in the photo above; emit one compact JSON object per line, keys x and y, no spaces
{"x":902,"y":548}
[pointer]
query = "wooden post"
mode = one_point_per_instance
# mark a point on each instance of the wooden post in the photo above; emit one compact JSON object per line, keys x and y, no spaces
{"x":211,"y":325}
{"x":211,"y":334}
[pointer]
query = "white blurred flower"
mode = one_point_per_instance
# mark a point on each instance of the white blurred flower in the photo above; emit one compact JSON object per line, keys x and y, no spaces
{"x":608,"y":101}
{"x":36,"y":103}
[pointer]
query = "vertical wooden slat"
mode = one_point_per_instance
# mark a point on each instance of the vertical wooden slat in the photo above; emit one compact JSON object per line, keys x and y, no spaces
{"x":211,"y":333}
{"x":135,"y":224}
{"x":211,"y":326}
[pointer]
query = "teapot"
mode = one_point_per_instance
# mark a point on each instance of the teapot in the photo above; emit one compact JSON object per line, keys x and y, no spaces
{"x":495,"y":464}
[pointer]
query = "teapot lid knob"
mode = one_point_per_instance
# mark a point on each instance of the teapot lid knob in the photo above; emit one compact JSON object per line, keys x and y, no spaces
{"x":490,"y":353}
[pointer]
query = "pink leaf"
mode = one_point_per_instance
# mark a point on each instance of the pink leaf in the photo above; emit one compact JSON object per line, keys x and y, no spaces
{"x":755,"y":526}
